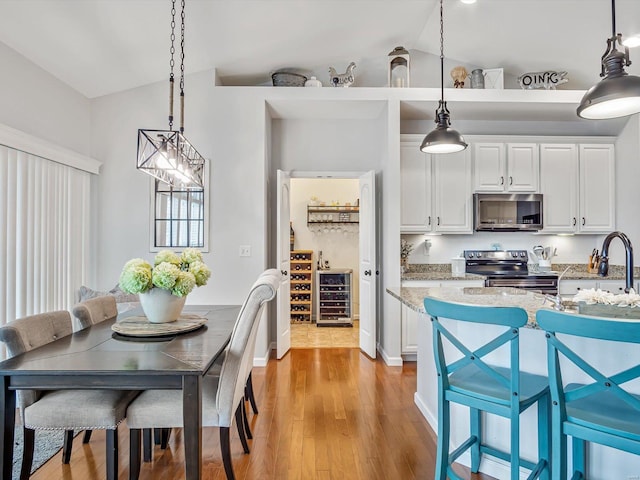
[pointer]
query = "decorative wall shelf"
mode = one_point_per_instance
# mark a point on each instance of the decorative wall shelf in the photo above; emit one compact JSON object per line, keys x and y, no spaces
{"x":334,"y":214}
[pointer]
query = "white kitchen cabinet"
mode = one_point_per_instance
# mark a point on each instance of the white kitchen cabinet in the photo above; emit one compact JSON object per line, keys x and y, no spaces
{"x":452,"y":192}
{"x":506,"y":167}
{"x":597,"y":188}
{"x":415,"y":190}
{"x":571,"y":287}
{"x":613,"y":286}
{"x":577,"y":184}
{"x":409,"y":328}
{"x":435,"y":191}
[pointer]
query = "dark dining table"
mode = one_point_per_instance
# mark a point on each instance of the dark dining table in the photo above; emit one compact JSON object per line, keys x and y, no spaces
{"x":96,"y":358}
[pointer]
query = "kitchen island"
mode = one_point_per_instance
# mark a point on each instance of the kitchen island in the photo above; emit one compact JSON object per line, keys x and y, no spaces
{"x":604,"y":463}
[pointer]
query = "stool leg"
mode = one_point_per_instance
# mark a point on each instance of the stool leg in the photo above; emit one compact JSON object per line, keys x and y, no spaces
{"x":544,"y":434}
{"x":475,"y":423}
{"x":515,"y":442}
{"x":578,"y":454}
{"x":442,"y":455}
{"x":559,"y":443}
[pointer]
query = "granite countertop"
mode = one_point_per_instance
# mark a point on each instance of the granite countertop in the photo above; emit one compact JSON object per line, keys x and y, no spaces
{"x":576,"y":271}
{"x":488,"y":296}
{"x":438,"y":275}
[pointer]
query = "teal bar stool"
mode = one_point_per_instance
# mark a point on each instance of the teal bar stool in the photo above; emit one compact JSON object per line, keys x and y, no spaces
{"x":601,"y":411}
{"x":503,"y":391}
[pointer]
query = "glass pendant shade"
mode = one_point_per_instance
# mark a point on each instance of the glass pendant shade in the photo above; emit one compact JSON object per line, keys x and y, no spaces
{"x":612,"y":97}
{"x":168,"y":156}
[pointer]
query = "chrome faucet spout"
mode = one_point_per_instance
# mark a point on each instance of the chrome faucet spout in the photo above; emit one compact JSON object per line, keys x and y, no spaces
{"x":603,"y":269}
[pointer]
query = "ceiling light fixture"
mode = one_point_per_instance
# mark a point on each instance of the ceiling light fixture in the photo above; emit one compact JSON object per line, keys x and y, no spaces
{"x":443,"y":139}
{"x":166,"y":154}
{"x":468,"y":2}
{"x":618,"y":93}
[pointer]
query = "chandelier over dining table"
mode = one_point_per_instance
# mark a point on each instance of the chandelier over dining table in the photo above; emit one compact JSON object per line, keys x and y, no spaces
{"x":166,"y":154}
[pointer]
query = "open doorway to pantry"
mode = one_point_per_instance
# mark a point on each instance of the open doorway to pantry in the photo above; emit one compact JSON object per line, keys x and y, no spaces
{"x":324,"y":217}
{"x":328,"y":292}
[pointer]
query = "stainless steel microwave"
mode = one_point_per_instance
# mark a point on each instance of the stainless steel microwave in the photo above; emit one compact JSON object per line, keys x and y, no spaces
{"x":507,"y":212}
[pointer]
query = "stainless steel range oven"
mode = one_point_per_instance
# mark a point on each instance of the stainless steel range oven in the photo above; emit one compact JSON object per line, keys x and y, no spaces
{"x":508,"y":268}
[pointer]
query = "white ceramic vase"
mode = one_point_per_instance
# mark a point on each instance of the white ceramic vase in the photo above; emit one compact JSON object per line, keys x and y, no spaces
{"x":161,"y":306}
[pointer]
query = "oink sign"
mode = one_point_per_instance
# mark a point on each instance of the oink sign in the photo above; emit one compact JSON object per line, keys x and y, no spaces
{"x":548,"y":80}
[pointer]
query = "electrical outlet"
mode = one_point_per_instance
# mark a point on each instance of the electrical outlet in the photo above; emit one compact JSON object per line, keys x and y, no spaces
{"x":245,"y":250}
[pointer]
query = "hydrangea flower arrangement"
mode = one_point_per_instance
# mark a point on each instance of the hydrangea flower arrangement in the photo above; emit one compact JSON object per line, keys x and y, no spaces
{"x":179,"y":274}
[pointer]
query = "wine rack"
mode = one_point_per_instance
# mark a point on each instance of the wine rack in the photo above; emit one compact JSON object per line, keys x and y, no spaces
{"x":301,"y":285}
{"x":334,"y":302}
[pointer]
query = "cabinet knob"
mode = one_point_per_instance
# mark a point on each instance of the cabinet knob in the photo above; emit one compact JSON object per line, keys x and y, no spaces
{"x":438,"y":220}
{"x":510,"y":180}
{"x":367,"y":272}
{"x":284,"y":272}
{"x":429,"y":220}
{"x":501,"y":180}
{"x":574,"y":221}
{"x":583,"y":221}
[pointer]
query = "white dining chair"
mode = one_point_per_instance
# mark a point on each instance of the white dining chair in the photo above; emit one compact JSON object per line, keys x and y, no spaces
{"x":62,"y":409}
{"x":221,"y":395}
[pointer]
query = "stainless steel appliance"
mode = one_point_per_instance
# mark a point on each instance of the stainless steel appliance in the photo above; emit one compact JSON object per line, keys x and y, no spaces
{"x":508,"y":268}
{"x":507,"y":212}
{"x":334,"y":302}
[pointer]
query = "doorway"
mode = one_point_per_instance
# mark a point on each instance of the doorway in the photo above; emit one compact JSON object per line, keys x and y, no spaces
{"x":324,"y":219}
{"x":335,"y":215}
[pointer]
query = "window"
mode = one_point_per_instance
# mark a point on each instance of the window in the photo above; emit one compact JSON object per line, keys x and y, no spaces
{"x":178,"y":218}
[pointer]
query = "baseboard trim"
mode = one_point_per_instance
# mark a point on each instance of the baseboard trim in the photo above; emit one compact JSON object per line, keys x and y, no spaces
{"x":262,"y":361}
{"x":390,"y":361}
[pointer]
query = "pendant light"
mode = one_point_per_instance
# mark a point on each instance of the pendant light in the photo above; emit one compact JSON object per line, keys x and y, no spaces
{"x":443,"y":139}
{"x":618,"y":93}
{"x":166,"y":154}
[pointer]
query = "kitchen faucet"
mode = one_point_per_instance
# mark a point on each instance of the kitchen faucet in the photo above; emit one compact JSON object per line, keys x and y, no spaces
{"x":603,"y":269}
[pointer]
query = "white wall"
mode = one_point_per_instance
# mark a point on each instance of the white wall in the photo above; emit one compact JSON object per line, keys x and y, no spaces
{"x":627,"y":191}
{"x":36,"y":102}
{"x":339,"y":248}
{"x":227,"y":129}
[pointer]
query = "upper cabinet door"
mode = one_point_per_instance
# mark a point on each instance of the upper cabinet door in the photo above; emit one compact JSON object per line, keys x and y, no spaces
{"x":523,"y":167}
{"x":415,"y":190}
{"x":489,"y":167}
{"x":452,"y":189}
{"x":559,"y":187}
{"x":597,"y":188}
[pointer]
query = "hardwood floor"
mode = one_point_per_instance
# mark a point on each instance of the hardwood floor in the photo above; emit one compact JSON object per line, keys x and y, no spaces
{"x":325,"y":414}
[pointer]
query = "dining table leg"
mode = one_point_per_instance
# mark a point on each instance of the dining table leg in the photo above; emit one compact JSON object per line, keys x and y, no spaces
{"x":192,"y":421}
{"x":8,"y":419}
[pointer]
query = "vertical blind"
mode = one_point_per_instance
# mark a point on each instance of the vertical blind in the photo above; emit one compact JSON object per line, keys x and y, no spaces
{"x":44,"y":241}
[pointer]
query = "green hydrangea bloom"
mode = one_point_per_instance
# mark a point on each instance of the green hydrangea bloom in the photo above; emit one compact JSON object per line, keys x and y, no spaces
{"x":167,"y":256}
{"x":165,"y":275}
{"x":184,"y":284}
{"x":201,"y":272}
{"x":136,"y":276}
{"x":190,"y":255}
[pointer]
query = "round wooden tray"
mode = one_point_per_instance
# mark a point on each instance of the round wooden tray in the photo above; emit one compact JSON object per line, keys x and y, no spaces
{"x":139,"y":326}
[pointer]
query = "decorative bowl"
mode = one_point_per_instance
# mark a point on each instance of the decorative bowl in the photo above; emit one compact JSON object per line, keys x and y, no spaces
{"x":288,"y":79}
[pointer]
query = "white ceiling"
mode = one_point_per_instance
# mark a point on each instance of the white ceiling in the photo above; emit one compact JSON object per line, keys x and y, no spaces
{"x":104,"y":46}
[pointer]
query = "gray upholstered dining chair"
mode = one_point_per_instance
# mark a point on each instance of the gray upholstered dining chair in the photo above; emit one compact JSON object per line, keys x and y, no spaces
{"x":61,"y":409}
{"x":221,"y":395}
{"x":89,"y":312}
{"x":95,"y":310}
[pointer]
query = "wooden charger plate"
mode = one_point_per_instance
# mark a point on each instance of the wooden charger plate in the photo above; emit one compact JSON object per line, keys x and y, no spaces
{"x":140,"y":326}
